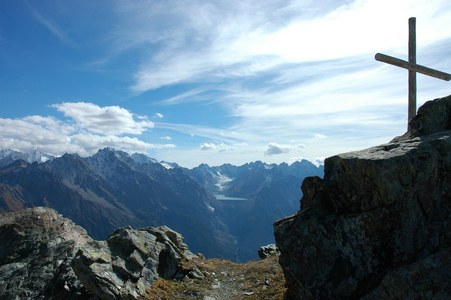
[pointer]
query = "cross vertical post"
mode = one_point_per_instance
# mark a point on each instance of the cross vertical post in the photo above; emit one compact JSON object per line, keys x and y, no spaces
{"x":413,"y":68}
{"x":412,"y":110}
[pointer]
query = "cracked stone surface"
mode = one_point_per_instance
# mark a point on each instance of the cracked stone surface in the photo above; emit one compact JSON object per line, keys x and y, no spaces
{"x":380,"y":219}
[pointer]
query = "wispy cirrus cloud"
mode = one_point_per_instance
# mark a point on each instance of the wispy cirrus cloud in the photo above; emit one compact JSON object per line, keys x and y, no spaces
{"x":183,"y":97}
{"x":224,"y":134}
{"x":203,"y":41}
{"x":250,"y":78}
{"x":291,"y":65}
{"x":283,"y":71}
{"x":50,"y":25}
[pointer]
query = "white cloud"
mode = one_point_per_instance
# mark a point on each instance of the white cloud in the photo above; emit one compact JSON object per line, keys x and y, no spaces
{"x":299,"y":70}
{"x":166,"y":137}
{"x":319,"y":161}
{"x":354,"y":28}
{"x":203,"y":42}
{"x":34,"y":131}
{"x":90,"y":143}
{"x":289,"y":69}
{"x":218,"y":147}
{"x":319,"y":136}
{"x":208,"y":146}
{"x":113,"y":120}
{"x":92,"y":127}
{"x":274,"y":149}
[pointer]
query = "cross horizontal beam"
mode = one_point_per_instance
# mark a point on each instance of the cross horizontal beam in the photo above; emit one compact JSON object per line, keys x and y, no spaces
{"x":412,"y":67}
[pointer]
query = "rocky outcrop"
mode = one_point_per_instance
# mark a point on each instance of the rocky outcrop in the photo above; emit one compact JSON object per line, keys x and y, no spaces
{"x":36,"y":250}
{"x":45,"y":256}
{"x":267,"y":251}
{"x":378,"y":225}
{"x":129,"y":261}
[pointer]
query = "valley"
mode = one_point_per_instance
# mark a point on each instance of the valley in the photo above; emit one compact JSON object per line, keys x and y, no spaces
{"x":224,"y":211}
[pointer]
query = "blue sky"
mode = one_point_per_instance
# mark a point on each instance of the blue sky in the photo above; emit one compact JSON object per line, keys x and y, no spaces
{"x":213,"y":81}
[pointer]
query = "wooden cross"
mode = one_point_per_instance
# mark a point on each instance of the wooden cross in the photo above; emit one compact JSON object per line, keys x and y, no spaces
{"x":413,"y":68}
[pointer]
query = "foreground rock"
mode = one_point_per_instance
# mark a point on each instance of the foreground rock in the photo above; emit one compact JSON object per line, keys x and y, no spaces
{"x":267,"y":251}
{"x":129,"y":261}
{"x":45,"y":256}
{"x":36,"y":249}
{"x":378,"y":226}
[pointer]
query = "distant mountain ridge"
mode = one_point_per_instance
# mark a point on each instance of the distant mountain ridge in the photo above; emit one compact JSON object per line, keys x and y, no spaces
{"x":112,"y":189}
{"x":272,"y":191}
{"x":7,"y":156}
{"x":240,"y":181}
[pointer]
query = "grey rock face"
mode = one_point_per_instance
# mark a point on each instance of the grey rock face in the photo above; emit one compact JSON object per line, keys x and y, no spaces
{"x":129,"y":261}
{"x":379,"y":220}
{"x":267,"y":251}
{"x":36,"y":249}
{"x":45,"y":256}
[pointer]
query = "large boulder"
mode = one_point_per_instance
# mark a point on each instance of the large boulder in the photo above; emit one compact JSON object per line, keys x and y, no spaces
{"x":45,"y":256}
{"x":129,"y":261}
{"x":378,"y":225}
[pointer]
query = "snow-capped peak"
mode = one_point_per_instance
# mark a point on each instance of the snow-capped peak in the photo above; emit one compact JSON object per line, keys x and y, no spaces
{"x":32,"y":156}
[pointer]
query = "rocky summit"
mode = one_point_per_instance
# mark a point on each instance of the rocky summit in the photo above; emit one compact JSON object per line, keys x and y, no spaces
{"x":46,"y":256}
{"x":378,"y":225}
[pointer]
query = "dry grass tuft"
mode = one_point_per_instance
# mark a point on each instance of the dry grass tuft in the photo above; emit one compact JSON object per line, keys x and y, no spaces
{"x":226,"y":280}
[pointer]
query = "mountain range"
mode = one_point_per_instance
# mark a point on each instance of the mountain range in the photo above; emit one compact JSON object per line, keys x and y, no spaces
{"x":225,"y":211}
